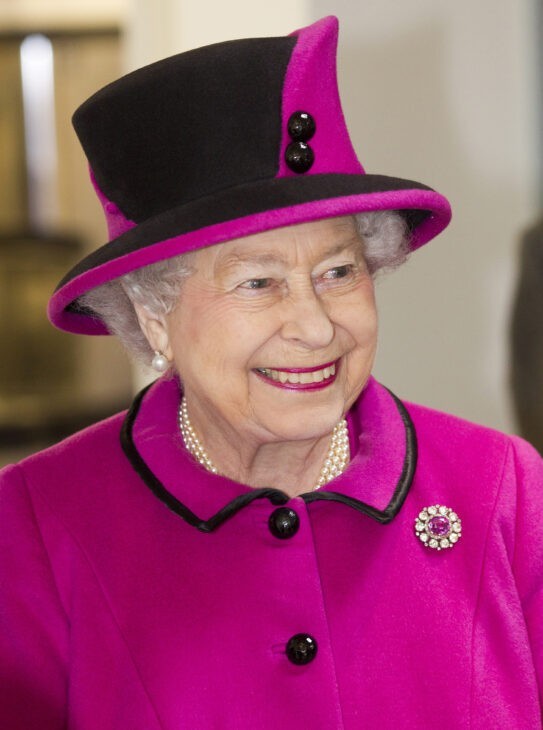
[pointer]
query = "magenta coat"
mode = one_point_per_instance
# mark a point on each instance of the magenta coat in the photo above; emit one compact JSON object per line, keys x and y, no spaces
{"x":140,"y":592}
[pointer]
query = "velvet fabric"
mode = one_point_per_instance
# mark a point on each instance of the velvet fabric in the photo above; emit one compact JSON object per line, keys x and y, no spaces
{"x":190,"y":152}
{"x":189,"y":109}
{"x":116,"y":613}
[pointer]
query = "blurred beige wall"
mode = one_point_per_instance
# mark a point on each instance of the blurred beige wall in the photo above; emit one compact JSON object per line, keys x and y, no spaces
{"x":158,"y":28}
{"x":28,"y":14}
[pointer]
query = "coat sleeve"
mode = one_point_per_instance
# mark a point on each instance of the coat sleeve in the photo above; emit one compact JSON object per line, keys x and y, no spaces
{"x":33,"y":624}
{"x":528,"y":550}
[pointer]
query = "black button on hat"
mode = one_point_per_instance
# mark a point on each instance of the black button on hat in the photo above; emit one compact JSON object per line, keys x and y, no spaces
{"x":299,"y":156}
{"x":283,"y":523}
{"x":301,"y":649}
{"x":301,"y":126}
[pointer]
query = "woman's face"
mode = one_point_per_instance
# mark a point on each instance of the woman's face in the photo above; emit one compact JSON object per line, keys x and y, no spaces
{"x":274,"y":334}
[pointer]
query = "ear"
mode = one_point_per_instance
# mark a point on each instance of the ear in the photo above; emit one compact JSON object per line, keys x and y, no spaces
{"x":155,"y":328}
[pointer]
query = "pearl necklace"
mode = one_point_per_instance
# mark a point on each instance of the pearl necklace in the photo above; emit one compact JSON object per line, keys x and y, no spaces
{"x":335,"y":463}
{"x":192,"y":442}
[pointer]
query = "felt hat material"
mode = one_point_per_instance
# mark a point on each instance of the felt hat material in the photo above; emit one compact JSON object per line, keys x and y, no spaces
{"x":220,"y":142}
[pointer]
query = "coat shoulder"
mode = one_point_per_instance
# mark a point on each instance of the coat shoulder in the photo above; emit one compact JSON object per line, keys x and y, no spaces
{"x":470,"y":446}
{"x":442,"y":426}
{"x":94,"y":450}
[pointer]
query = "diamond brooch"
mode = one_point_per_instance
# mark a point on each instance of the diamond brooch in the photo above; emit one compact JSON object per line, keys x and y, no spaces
{"x":438,"y":527}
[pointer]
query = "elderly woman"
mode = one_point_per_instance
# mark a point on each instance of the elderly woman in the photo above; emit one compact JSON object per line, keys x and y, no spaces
{"x":269,"y":538}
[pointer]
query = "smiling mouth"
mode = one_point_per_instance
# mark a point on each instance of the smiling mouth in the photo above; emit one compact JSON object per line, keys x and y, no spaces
{"x":300,"y":378}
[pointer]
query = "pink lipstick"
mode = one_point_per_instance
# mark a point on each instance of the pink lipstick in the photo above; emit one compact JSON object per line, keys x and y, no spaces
{"x":313,"y":378}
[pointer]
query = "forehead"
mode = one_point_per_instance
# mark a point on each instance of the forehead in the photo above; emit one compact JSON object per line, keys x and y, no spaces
{"x":311,"y":241}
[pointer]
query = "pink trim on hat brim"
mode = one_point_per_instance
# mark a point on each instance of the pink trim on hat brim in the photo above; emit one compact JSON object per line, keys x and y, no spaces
{"x":436,"y":204}
{"x":311,"y":86}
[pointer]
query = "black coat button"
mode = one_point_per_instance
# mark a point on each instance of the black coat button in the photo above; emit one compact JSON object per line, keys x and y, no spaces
{"x":283,"y":523}
{"x":299,"y":156}
{"x":301,"y":649}
{"x":301,"y":126}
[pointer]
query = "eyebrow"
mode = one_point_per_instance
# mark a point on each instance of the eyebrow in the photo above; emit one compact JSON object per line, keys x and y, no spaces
{"x":257,"y":258}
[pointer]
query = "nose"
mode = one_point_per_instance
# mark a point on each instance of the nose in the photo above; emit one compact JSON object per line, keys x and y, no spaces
{"x":306,"y":320}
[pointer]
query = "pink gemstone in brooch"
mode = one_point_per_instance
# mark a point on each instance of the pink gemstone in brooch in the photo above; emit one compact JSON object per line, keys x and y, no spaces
{"x":438,"y":527}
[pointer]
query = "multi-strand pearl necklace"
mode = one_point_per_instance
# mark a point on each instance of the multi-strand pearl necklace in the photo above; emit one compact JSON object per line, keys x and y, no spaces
{"x":192,"y":442}
{"x":336,"y":460}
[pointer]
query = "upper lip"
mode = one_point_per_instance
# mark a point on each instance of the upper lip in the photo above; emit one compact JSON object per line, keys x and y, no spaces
{"x":302,"y":370}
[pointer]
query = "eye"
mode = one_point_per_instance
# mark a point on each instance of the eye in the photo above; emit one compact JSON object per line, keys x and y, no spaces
{"x":256,"y":284}
{"x":338,"y":272}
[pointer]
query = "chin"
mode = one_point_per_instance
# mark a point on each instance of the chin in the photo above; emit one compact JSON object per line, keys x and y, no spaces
{"x":303,"y":424}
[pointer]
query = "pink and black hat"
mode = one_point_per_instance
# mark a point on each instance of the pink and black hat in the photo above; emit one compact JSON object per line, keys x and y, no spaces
{"x":220,"y":142}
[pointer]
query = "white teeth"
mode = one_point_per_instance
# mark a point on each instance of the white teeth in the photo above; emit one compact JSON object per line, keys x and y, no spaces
{"x":316,"y":376}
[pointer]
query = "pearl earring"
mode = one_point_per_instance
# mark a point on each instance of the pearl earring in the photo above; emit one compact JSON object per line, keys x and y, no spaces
{"x":160,"y":362}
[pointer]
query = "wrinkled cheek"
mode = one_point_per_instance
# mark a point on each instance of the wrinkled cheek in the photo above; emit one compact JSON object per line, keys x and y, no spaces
{"x":360,"y":364}
{"x":368,"y":336}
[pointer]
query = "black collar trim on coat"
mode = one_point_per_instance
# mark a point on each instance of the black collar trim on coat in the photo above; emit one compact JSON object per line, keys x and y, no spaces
{"x":276,"y":496}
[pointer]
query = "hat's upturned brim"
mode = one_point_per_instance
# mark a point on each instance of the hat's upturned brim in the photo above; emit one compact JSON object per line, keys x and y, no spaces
{"x":242,"y":211}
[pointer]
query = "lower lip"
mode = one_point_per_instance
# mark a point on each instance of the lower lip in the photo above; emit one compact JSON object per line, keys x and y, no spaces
{"x":300,"y":386}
